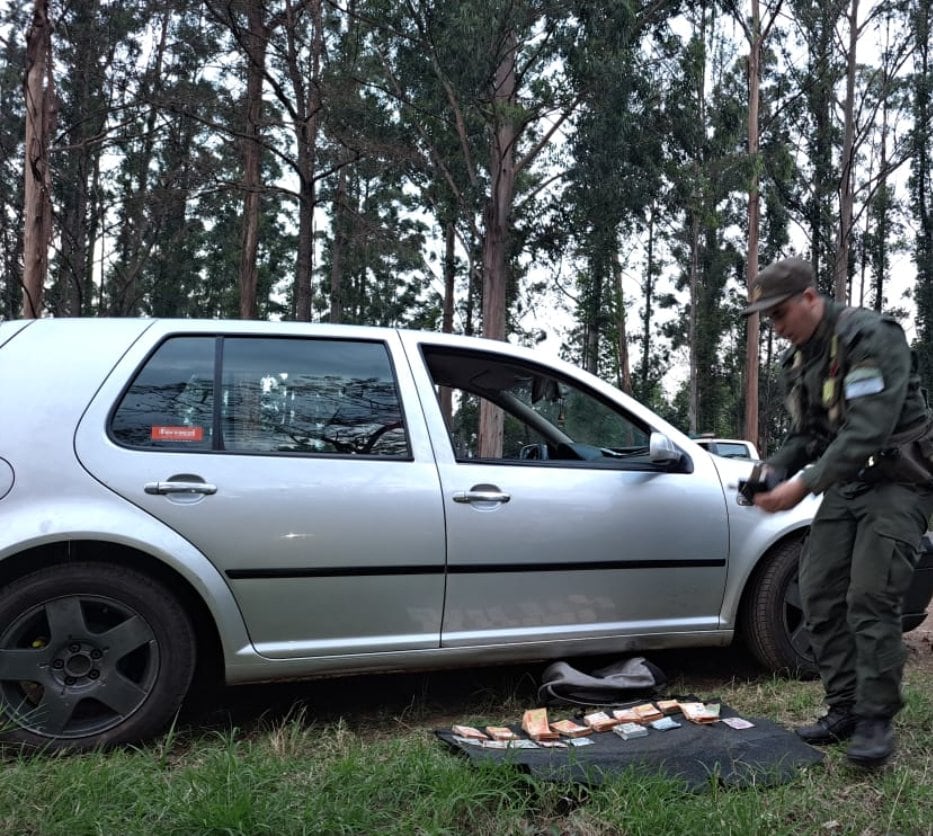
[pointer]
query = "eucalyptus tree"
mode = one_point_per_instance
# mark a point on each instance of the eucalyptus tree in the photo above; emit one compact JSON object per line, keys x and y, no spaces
{"x":921,"y":180}
{"x":216,"y":236}
{"x":254,"y":42}
{"x":654,"y":358}
{"x":617,"y":149}
{"x":482,"y":87}
{"x":97,"y":52}
{"x":487,"y":74}
{"x":163,"y":146}
{"x":709,"y":175}
{"x":12,"y":137}
{"x":40,"y":122}
{"x":297,"y":59}
{"x":875,"y":142}
{"x":103,"y":118}
{"x":422,"y":64}
{"x":778,"y":173}
{"x":376,"y":252}
{"x":383,"y":273}
{"x":756,"y":31}
{"x":286,"y":42}
{"x":375,"y":265}
{"x":883,"y":146}
{"x":816,"y":75}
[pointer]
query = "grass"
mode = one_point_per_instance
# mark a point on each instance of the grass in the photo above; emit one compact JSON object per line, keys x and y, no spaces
{"x":375,"y":768}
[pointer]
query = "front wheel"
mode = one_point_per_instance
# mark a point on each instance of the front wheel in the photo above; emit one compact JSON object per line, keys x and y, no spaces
{"x":772,"y":616}
{"x":91,"y":655}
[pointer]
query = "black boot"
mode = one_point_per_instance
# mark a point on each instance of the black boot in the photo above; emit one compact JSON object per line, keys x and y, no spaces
{"x":873,"y":742}
{"x":837,"y":724}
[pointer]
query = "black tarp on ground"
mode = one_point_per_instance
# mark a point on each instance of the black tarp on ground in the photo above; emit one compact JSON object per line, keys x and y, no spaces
{"x":763,"y":755}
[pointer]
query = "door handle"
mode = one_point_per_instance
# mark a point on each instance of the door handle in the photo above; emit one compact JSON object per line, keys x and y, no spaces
{"x":179,"y":487}
{"x":482,"y":493}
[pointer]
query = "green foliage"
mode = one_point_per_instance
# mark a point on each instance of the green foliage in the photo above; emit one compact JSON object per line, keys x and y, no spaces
{"x":811,"y":111}
{"x":377,"y":145}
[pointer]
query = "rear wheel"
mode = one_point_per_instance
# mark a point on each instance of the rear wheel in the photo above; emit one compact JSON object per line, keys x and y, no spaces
{"x":91,"y":655}
{"x":772,"y":615}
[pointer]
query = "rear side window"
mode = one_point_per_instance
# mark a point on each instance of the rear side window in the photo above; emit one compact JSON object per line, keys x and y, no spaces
{"x":270,"y":396}
{"x":170,"y":403}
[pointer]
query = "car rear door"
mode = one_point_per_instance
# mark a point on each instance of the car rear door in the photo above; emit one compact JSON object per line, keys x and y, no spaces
{"x":293,"y":459}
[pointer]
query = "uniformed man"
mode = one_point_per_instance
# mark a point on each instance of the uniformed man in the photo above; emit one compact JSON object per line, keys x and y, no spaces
{"x":856,"y":405}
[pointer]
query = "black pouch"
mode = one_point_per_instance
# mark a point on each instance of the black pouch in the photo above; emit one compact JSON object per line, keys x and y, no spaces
{"x":624,"y":680}
{"x":909,"y":459}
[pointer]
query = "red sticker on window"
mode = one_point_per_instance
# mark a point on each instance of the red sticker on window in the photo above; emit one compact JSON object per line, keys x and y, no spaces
{"x":177,"y":434}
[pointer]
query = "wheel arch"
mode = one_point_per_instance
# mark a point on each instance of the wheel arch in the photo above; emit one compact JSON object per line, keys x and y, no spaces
{"x":210,"y":651}
{"x":748,"y":584}
{"x":770,"y":621}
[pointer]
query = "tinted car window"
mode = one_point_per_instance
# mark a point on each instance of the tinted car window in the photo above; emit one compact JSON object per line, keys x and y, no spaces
{"x":275,"y":396}
{"x":171,"y":401}
{"x":310,"y":396}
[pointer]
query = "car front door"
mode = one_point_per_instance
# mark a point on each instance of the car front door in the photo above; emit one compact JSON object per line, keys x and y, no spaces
{"x":291,"y":463}
{"x":564,"y":529}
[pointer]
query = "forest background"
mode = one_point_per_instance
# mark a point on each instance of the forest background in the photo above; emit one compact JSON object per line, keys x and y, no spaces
{"x":612,"y":170}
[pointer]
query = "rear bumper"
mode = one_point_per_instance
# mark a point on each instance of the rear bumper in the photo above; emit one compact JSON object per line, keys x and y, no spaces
{"x":918,"y":596}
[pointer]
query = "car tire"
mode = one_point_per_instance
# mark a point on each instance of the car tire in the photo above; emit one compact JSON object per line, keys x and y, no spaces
{"x":772,"y":618}
{"x":91,"y":655}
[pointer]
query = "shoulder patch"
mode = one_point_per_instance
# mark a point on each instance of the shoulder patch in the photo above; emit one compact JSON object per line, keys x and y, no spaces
{"x":862,"y":381}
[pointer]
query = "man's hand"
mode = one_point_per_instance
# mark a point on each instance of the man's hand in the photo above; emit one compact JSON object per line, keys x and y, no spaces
{"x":784,"y":496}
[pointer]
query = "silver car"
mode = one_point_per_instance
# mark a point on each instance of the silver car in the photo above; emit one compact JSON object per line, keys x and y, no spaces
{"x":288,"y":500}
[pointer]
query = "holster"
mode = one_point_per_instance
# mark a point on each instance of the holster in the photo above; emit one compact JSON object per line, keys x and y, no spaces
{"x":908,"y":457}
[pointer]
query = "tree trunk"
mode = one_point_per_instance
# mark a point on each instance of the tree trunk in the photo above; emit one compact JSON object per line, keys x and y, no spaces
{"x":304,"y":260}
{"x":693,"y":405}
{"x":881,"y":226}
{"x":306,"y":120}
{"x":751,"y":267}
{"x":256,"y":40}
{"x":495,"y":241}
{"x":40,"y":118}
{"x":450,"y":274}
{"x":649,"y":303}
{"x":846,"y":193}
{"x":447,"y":316}
{"x":591,"y":323}
{"x":921,"y":183}
{"x":341,"y":221}
{"x":625,"y":368}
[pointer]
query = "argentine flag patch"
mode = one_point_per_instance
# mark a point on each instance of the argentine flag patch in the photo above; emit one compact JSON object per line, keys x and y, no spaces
{"x":866,"y":380}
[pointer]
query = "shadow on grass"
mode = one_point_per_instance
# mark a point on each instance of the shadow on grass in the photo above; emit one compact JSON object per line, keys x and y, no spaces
{"x":437,"y":698}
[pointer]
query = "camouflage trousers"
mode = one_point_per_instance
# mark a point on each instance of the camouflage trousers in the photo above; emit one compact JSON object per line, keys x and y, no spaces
{"x":855,"y":568}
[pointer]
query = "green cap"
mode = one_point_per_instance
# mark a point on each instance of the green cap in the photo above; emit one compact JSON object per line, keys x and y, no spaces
{"x":778,"y":282}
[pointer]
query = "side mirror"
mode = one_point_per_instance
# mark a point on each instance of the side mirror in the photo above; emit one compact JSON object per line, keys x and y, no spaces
{"x":537,"y":452}
{"x":661,"y":449}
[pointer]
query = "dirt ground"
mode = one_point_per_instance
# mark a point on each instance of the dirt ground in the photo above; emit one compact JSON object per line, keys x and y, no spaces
{"x":437,"y":698}
{"x":379,"y":703}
